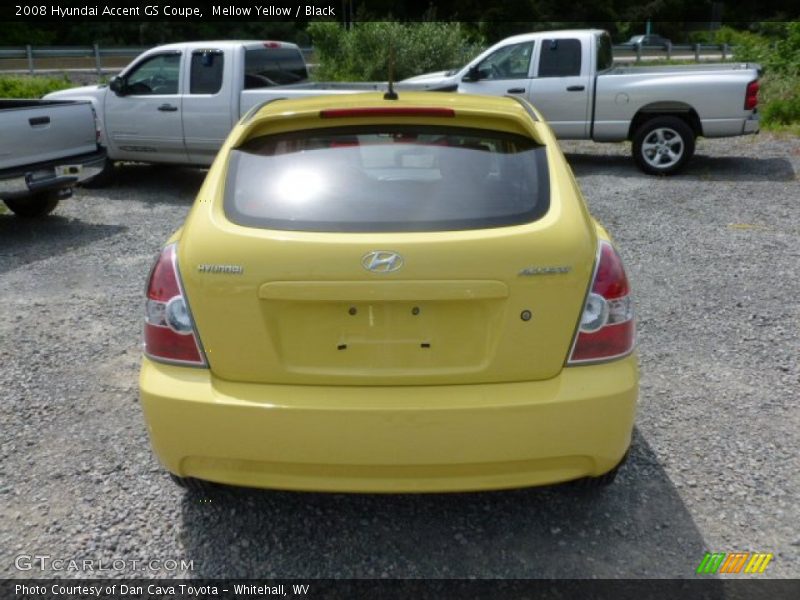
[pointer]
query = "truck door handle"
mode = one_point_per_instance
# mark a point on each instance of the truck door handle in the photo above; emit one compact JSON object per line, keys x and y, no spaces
{"x":516,"y":91}
{"x":576,"y":88}
{"x":167,"y":108}
{"x":39,"y":121}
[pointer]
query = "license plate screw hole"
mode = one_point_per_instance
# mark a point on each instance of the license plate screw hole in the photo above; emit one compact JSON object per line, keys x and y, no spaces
{"x":525,"y":315}
{"x":353,"y":310}
{"x":415,"y":311}
{"x":341,"y":347}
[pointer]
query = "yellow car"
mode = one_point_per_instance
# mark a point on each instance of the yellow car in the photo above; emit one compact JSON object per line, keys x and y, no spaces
{"x":390,"y":295}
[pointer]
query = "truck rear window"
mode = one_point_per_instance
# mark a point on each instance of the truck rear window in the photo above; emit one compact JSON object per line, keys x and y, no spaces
{"x":387,"y":178}
{"x":267,"y":67}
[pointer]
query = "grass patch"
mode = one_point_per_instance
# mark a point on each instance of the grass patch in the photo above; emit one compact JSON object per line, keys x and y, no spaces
{"x":21,"y":86}
{"x":790,"y":130}
{"x":780,"y":102}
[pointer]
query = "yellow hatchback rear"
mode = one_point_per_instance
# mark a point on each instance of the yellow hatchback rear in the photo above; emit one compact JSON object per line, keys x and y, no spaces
{"x":377,"y":294}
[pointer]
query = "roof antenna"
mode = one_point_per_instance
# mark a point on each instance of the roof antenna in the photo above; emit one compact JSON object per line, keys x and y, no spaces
{"x":391,"y":94}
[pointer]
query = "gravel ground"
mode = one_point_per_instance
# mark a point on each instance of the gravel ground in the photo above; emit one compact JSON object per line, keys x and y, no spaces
{"x":713,"y":256}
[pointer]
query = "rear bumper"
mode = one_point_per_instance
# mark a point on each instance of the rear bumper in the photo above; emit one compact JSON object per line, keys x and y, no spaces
{"x":391,"y":439}
{"x":51,"y":175}
{"x":751,"y":124}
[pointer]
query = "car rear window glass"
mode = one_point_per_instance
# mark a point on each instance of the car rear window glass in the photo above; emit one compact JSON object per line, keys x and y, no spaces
{"x":273,"y":66}
{"x":387,"y":178}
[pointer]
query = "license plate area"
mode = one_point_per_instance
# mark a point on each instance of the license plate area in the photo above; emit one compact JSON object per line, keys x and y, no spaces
{"x":68,"y":170}
{"x":382,"y":337}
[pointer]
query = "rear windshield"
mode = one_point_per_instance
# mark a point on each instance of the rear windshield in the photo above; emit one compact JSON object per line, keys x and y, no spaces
{"x":387,"y":178}
{"x":273,"y":66}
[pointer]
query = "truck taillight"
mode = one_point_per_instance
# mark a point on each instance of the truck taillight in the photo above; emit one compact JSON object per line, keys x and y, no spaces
{"x":96,"y":126}
{"x":169,"y":333}
{"x":606,"y":329}
{"x":751,"y":95}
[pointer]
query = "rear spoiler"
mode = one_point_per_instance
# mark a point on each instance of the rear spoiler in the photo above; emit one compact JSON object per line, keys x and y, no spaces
{"x":253,"y":110}
{"x":526,"y":105}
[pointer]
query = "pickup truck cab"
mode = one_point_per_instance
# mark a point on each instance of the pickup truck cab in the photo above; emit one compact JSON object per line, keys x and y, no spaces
{"x":570,"y":77}
{"x":177,"y":103}
{"x":46,"y":147}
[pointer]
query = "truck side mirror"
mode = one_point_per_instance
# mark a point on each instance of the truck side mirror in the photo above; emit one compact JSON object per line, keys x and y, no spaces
{"x":473,"y":74}
{"x":117,"y":85}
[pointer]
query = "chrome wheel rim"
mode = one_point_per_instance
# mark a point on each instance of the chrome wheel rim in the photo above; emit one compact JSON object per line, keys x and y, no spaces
{"x":662,"y":148}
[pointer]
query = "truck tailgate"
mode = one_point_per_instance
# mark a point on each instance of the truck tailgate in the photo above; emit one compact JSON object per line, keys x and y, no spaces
{"x":41,"y":130}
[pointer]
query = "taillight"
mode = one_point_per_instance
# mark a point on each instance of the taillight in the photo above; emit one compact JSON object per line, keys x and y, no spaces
{"x":96,"y":126}
{"x":273,"y":45}
{"x":606,"y":329}
{"x":386,"y":111}
{"x":751,"y":96}
{"x":169,"y":334}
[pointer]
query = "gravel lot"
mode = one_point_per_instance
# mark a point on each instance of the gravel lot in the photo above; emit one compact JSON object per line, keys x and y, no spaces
{"x":713,"y":256}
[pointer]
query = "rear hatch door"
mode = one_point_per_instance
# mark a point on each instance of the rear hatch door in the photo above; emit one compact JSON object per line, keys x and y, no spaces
{"x":388,"y":255}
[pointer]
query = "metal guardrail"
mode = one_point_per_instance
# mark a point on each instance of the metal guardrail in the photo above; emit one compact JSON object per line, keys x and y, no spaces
{"x":92,"y":55}
{"x":95,"y":53}
{"x":673,"y":51}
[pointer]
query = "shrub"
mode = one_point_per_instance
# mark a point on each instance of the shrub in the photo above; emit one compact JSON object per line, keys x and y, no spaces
{"x":780,"y":100}
{"x":31,"y":86}
{"x":362,"y":52}
{"x":776,"y":48}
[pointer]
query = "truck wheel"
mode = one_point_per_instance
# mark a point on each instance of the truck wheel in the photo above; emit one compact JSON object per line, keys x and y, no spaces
{"x":38,"y":205}
{"x":103,"y":178}
{"x":663,"y":145}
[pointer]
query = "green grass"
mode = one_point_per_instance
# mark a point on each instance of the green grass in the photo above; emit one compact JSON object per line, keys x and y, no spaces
{"x":780,"y":102}
{"x":22,"y":86}
{"x":792,"y":129}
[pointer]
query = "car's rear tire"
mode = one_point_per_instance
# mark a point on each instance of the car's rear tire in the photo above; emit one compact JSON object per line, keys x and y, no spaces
{"x":104,"y":178}
{"x":663,"y":145}
{"x":601,"y":481}
{"x":37,"y":205}
{"x":190,"y":484}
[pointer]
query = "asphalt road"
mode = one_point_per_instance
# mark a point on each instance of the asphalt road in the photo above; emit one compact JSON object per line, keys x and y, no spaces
{"x":713,"y":257}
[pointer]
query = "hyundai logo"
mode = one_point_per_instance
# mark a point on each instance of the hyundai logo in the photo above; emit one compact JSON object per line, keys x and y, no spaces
{"x":381,"y":261}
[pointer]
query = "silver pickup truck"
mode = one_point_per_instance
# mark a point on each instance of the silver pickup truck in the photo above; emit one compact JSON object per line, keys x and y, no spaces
{"x":46,"y":147}
{"x":570,"y":77}
{"x":177,"y":103}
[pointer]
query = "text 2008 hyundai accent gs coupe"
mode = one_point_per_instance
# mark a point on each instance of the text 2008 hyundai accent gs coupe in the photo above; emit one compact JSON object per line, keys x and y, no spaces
{"x":390,"y":295}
